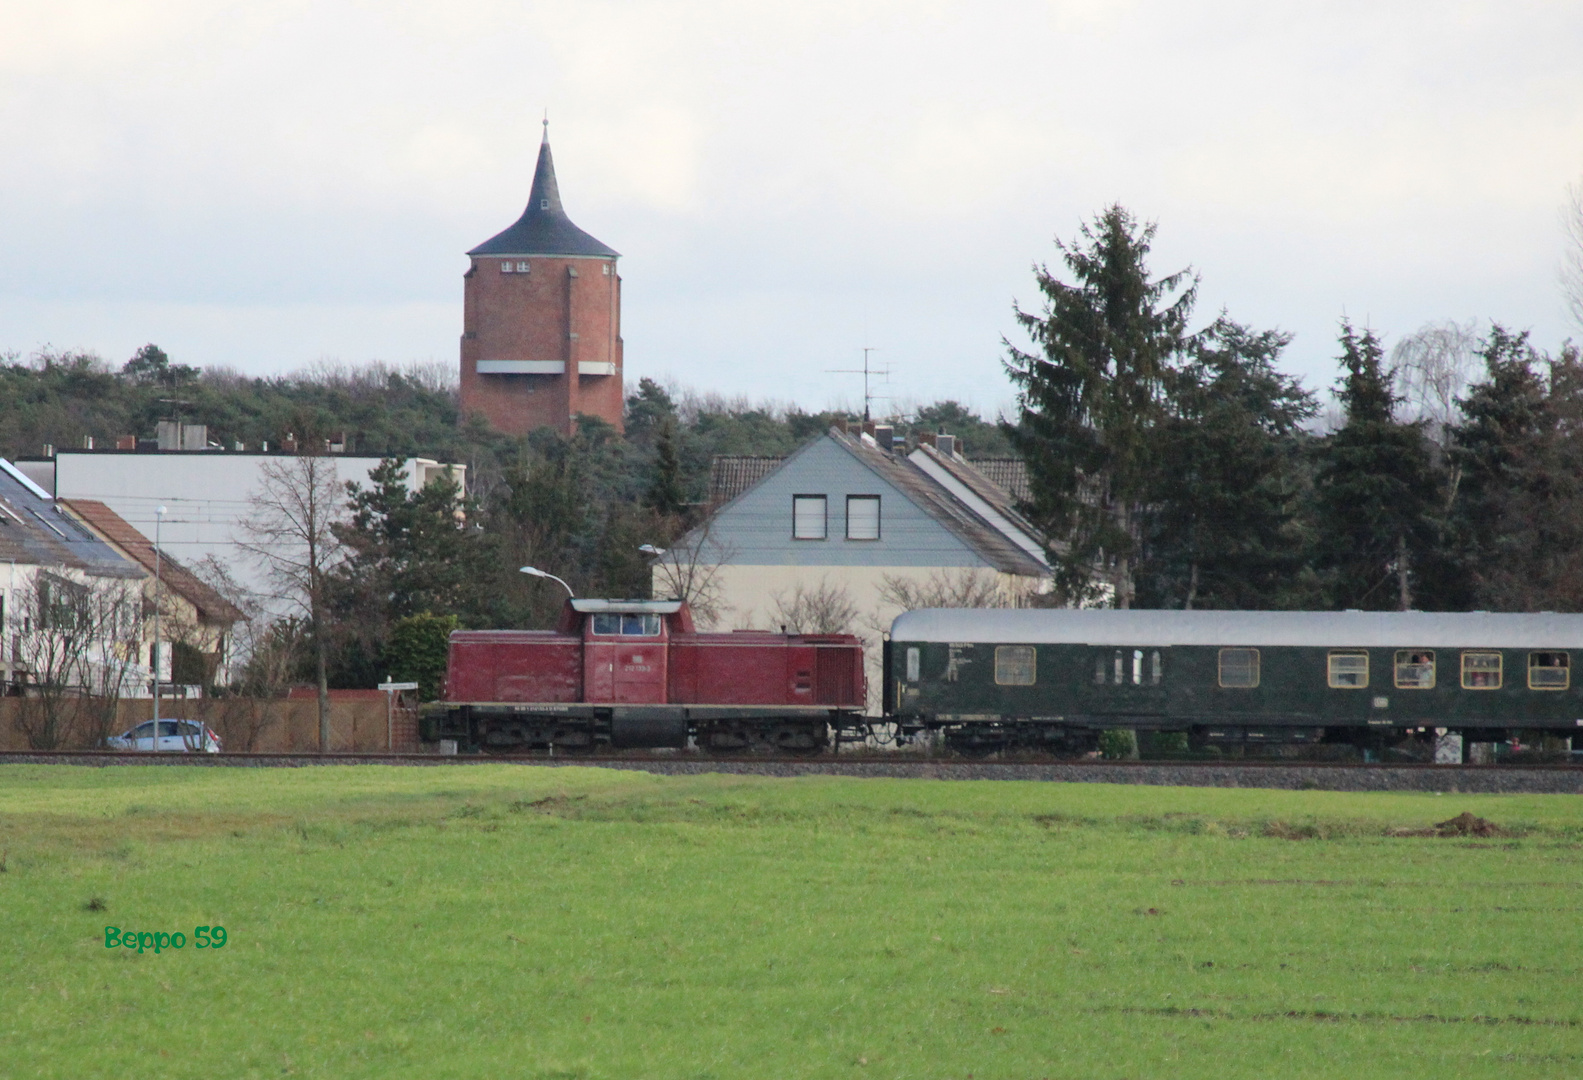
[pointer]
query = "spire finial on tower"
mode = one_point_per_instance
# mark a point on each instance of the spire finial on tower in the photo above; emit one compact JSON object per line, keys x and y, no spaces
{"x":546,"y":126}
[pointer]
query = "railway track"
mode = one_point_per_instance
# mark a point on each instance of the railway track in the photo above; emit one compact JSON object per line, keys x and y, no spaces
{"x":1324,"y":776}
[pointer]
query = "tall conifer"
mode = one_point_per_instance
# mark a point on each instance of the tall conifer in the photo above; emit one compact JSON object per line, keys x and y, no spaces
{"x":1377,"y":494}
{"x":1089,"y":398}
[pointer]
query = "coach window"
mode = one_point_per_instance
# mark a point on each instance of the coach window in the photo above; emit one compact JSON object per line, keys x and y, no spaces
{"x":808,"y":517}
{"x":1481,"y":671}
{"x":1099,"y":669}
{"x":1349,"y":670}
{"x":862,"y":517}
{"x":1239,"y":668}
{"x":913,"y":664}
{"x":1549,"y":671}
{"x":1415,"y":669}
{"x":1015,"y":665}
{"x":1156,"y":669}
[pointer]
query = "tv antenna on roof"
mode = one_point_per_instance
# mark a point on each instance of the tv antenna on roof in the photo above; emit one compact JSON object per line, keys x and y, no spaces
{"x":867,"y":371}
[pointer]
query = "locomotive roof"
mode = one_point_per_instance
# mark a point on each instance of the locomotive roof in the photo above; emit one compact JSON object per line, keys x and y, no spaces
{"x":1334,"y":629}
{"x":605,"y":607}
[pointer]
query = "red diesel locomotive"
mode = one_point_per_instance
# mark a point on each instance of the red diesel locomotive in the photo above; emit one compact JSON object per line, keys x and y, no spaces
{"x":636,"y":673}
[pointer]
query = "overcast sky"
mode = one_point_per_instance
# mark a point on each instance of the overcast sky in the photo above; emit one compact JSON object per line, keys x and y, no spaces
{"x":266,"y":185}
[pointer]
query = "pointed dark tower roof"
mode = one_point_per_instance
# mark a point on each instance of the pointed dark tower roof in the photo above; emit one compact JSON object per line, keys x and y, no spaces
{"x":544,"y":228}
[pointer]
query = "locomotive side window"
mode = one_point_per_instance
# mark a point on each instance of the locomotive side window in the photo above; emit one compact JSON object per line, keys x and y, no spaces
{"x":1415,"y":669}
{"x":1239,"y":668}
{"x":913,"y":664}
{"x":1349,"y":670}
{"x":1015,"y":665}
{"x":1481,"y":671}
{"x":808,"y":517}
{"x":1549,"y":670}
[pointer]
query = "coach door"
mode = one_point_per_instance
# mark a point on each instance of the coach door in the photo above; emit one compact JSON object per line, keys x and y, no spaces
{"x":1127,"y":681}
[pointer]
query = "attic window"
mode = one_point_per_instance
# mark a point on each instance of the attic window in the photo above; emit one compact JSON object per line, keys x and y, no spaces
{"x":808,"y":517}
{"x":862,"y":517}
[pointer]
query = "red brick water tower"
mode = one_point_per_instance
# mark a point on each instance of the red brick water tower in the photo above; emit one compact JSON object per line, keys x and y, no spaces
{"x":541,"y":322}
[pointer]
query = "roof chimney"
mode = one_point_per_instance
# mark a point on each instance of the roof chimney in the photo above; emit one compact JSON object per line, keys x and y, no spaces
{"x":946,"y":444}
{"x":126,"y":442}
{"x":885,"y":436}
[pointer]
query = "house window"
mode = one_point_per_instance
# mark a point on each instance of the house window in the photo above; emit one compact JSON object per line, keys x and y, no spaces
{"x":862,"y":517}
{"x":1549,"y":671}
{"x":1481,"y":671}
{"x":522,"y":268}
{"x":1239,"y":668}
{"x":808,"y":517}
{"x":1015,"y":665}
{"x":1349,"y":670}
{"x":1415,"y":669}
{"x":506,"y":267}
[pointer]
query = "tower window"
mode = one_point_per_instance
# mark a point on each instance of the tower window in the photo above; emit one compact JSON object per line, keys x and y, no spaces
{"x":544,"y":204}
{"x":607,"y":269}
{"x":506,"y":268}
{"x":522,"y":268}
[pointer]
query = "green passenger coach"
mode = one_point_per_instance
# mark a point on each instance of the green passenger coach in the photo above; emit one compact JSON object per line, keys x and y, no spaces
{"x":990,"y":679}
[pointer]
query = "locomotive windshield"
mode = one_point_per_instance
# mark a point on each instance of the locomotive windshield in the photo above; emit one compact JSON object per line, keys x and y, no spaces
{"x":629,"y":625}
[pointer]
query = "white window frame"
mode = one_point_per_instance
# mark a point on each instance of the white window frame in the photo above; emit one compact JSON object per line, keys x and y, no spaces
{"x":878,"y":519}
{"x":824,"y":517}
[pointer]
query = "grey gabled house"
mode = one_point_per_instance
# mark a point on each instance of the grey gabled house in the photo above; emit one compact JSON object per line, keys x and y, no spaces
{"x":847,"y":527}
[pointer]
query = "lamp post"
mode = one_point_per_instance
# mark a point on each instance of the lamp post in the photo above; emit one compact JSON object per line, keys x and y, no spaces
{"x":159,"y":518}
{"x":534,"y":571}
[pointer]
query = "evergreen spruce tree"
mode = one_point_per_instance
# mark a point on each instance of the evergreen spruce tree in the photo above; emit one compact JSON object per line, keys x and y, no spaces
{"x":1089,"y":399}
{"x":1224,"y":528}
{"x":1378,"y":498}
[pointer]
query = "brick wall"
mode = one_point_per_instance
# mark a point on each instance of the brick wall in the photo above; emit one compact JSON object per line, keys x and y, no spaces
{"x":566,"y":310}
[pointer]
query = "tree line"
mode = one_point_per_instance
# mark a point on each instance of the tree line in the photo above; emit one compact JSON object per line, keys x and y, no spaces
{"x":1175,"y":468}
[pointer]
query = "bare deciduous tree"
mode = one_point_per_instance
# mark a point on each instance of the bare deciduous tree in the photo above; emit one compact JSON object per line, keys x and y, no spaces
{"x":967,"y":587}
{"x":1572,"y":258}
{"x":818,"y":609}
{"x":115,"y":609}
{"x":264,"y":656}
{"x":71,"y":636}
{"x":690,"y":570}
{"x":1431,"y":368}
{"x":291,"y":532}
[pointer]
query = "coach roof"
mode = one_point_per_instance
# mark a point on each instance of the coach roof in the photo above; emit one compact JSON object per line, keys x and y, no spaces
{"x":1321,"y":629}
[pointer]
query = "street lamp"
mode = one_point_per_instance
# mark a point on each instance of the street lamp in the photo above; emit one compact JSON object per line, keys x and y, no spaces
{"x":534,"y":571}
{"x":159,"y":518}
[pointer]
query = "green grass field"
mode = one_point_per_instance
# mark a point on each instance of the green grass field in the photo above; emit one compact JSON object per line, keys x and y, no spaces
{"x":506,"y":921}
